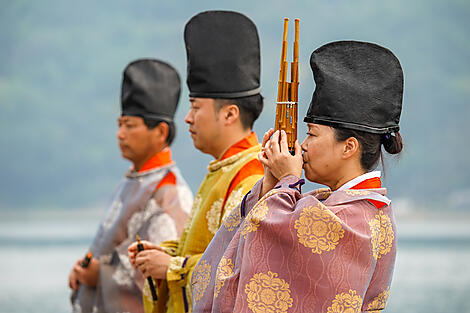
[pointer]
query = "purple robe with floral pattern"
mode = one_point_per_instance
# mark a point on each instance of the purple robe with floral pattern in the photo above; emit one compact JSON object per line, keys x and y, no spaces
{"x":322,"y":251}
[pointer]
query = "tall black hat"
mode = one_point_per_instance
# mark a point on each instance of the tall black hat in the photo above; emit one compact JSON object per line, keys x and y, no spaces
{"x":150,"y":89}
{"x":223,"y":55}
{"x":359,"y":86}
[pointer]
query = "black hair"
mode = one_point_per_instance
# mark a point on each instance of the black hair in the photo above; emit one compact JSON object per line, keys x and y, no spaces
{"x":250,"y":108}
{"x":371,"y":145}
{"x":152,"y":123}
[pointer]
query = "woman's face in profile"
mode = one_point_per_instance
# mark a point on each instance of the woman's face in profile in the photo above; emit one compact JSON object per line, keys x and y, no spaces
{"x":321,"y":154}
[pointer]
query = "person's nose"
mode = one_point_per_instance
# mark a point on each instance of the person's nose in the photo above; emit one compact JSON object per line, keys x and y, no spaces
{"x":189,"y":118}
{"x":120,"y":133}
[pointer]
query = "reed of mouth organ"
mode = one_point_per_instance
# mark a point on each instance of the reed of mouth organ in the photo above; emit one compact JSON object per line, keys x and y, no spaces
{"x":288,"y":92}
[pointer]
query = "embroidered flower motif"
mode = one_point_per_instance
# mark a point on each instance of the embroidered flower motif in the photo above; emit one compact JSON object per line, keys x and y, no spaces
{"x":185,"y":196}
{"x":112,"y":215}
{"x":236,"y":196}
{"x":257,"y":214}
{"x":162,"y":228}
{"x":232,"y":221}
{"x":379,"y":302}
{"x":354,"y":192}
{"x":201,"y":279}
{"x":268,"y":293}
{"x":124,"y":273}
{"x":213,"y":215}
{"x":224,"y":270}
{"x":176,"y":263}
{"x":382,"y":235}
{"x":196,"y":205}
{"x":319,"y":229}
{"x":254,"y":217}
{"x":346,"y":303}
{"x":140,"y":217}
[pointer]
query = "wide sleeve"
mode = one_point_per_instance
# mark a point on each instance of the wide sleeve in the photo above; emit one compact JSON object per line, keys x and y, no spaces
{"x":175,"y":202}
{"x":296,"y":254}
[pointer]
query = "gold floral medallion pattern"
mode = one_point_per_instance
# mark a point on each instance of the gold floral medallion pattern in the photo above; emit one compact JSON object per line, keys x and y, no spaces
{"x":201,"y":278}
{"x":196,"y":205}
{"x":382,"y":235}
{"x":213,"y":215}
{"x":319,"y":229}
{"x":354,"y":192}
{"x":268,"y":293}
{"x":232,"y":221}
{"x":236,"y":196}
{"x":257,"y":214}
{"x":176,"y":263}
{"x":379,"y":302}
{"x":346,"y":303}
{"x":224,"y":270}
{"x":254,"y":217}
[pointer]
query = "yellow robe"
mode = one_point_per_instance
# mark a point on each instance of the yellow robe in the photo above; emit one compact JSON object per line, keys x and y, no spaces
{"x":207,"y":214}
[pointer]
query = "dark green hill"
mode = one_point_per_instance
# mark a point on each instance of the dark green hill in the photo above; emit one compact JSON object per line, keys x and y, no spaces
{"x":60,"y":74}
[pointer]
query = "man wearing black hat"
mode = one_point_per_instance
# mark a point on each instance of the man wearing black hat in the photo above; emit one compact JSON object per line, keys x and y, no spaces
{"x":152,"y":201}
{"x":223,"y":78}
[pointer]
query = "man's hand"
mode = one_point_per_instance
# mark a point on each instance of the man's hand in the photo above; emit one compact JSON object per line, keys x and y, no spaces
{"x":277,"y":158}
{"x":87,"y":276}
{"x":73,"y":279}
{"x":153,"y":263}
{"x":132,"y":249}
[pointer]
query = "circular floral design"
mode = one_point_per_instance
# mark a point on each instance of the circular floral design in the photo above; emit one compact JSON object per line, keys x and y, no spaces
{"x":254,"y":217}
{"x":213,"y":215}
{"x":318,"y":229}
{"x":268,"y":293}
{"x":224,"y":270}
{"x":379,"y":302}
{"x":236,"y":196}
{"x":195,"y":208}
{"x":382,"y":235}
{"x":346,"y":303}
{"x":232,"y":221}
{"x":201,"y":278}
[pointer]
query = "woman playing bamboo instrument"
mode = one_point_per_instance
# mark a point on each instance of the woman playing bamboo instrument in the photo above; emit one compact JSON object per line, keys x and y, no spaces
{"x":331,"y":250}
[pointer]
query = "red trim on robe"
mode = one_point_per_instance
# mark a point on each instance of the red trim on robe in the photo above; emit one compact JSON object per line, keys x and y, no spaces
{"x":160,"y":159}
{"x":246,"y":143}
{"x":254,"y":167}
{"x":371,"y":183}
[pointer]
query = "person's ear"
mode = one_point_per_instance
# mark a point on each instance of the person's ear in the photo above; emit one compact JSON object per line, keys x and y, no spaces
{"x":161,"y":132}
{"x":231,"y":113}
{"x":350,"y":148}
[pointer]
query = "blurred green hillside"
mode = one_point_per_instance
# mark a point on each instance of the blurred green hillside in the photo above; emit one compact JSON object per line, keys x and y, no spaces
{"x":60,"y":76}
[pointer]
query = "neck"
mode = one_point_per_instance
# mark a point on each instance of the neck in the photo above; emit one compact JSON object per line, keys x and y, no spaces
{"x":344,"y":176}
{"x":229,"y":139}
{"x":140,"y":163}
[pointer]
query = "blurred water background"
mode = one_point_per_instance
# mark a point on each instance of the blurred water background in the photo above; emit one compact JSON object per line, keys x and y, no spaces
{"x":60,"y":73}
{"x":432,"y":273}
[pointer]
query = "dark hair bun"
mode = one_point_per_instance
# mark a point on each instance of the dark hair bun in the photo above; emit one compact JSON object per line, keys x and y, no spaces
{"x":393,"y":144}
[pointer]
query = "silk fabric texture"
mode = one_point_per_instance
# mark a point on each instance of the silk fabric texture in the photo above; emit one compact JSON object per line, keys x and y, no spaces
{"x":207,"y":214}
{"x":137,"y":207}
{"x":321,"y":251}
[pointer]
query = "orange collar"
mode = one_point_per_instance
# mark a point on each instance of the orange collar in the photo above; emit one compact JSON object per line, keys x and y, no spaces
{"x":246,"y":143}
{"x":370,"y":183}
{"x":160,"y":159}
